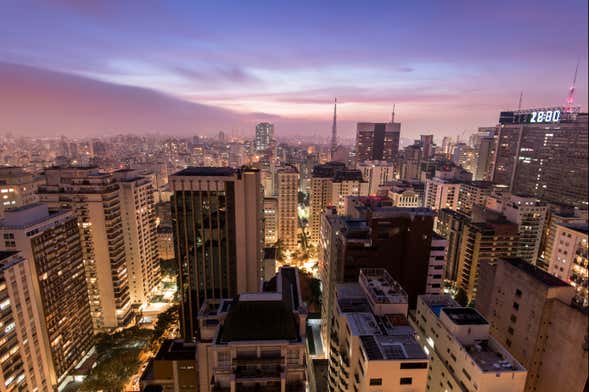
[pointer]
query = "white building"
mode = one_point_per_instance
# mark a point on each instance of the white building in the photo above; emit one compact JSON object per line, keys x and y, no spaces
{"x":17,"y":188}
{"x":376,"y":173}
{"x":441,"y":193}
{"x":464,"y":357}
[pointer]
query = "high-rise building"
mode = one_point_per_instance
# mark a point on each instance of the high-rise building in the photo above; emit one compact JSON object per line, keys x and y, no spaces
{"x":24,"y":366}
{"x":557,"y":215}
{"x":411,"y":163}
{"x":331,"y":183}
{"x":371,"y":346}
{"x":486,"y":156}
{"x":569,"y":260}
{"x":217,"y":214}
{"x":465,"y":357}
{"x":427,"y":143}
{"x":441,"y":193}
{"x":437,"y":263}
{"x":51,"y":244}
{"x":94,"y":198}
{"x":544,"y":153}
{"x":376,"y":174}
{"x":288,"y":218}
{"x":472,"y":194}
{"x":377,"y":141}
{"x":136,"y":194}
{"x":264,"y":136}
{"x":530,"y":312}
{"x":529,"y":214}
{"x":270,"y":220}
{"x":17,"y":188}
{"x":450,"y":225}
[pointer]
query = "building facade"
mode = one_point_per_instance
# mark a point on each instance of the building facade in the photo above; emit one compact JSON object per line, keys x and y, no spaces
{"x":377,"y":141}
{"x":288,"y":218}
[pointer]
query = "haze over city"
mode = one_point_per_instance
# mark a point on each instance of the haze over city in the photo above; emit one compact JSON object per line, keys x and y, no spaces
{"x":185,"y":68}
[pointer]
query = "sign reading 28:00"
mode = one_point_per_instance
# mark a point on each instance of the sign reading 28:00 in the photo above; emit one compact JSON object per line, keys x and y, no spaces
{"x":549,"y":116}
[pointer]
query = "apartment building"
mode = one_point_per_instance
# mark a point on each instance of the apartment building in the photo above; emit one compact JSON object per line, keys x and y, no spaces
{"x":288,"y":218}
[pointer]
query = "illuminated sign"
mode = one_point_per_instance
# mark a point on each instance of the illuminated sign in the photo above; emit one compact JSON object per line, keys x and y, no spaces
{"x":533,"y":116}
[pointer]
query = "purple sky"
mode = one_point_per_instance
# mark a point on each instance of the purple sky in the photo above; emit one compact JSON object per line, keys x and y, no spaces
{"x":92,"y":68}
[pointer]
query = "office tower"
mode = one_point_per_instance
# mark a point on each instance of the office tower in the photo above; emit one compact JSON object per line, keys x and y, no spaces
{"x":530,"y":312}
{"x":446,"y":144}
{"x":288,"y":218}
{"x":51,"y":244}
{"x":331,"y":183}
{"x":398,"y":239}
{"x":544,"y":153}
{"x":372,"y":347}
{"x":465,"y":357}
{"x":484,"y":240}
{"x":569,"y":259}
{"x":437,"y":263}
{"x":472,"y":194}
{"x":264,"y":136}
{"x":450,"y":225}
{"x":428,"y":146}
{"x":94,"y":198}
{"x":24,"y":364}
{"x":139,"y":232}
{"x":465,"y":156}
{"x":485,"y":158}
{"x":270,"y":220}
{"x":529,"y":214}
{"x":255,"y":342}
{"x":377,"y":141}
{"x":441,"y":193}
{"x":218,"y":235}
{"x":411,"y":162}
{"x":376,"y":174}
{"x":17,"y":188}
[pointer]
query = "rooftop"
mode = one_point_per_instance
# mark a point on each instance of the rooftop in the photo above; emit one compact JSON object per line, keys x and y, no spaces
{"x":491,"y":357}
{"x":535,"y":272}
{"x":465,"y":316}
{"x":580,"y":227}
{"x":259,"y":320}
{"x":176,"y":350}
{"x":207,"y":171}
{"x":392,"y":348}
{"x":382,"y":288}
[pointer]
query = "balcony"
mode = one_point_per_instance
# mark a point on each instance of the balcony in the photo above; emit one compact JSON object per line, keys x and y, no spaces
{"x":262,"y":372}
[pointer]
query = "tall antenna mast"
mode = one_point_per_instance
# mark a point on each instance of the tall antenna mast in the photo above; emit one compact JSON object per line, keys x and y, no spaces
{"x":393,"y":115}
{"x":571,"y":97}
{"x":334,"y":130}
{"x":521,"y":97}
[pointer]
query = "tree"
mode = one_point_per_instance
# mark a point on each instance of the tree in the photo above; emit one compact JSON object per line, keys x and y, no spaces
{"x":461,"y":297}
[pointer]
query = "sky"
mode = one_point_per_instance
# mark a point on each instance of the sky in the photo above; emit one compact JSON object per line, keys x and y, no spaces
{"x":199,"y":67}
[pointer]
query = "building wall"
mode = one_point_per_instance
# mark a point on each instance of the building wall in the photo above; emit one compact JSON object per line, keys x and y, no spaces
{"x":270,"y":221}
{"x":288,"y":223}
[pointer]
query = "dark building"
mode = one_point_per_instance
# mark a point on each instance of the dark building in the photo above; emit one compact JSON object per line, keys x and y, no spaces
{"x":218,"y":236}
{"x":450,"y":225}
{"x":544,"y":153}
{"x":377,"y":141}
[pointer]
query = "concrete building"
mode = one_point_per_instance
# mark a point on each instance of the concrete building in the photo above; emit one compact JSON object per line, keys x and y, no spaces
{"x":376,"y":173}
{"x":255,"y":341}
{"x":288,"y":218}
{"x":24,"y":361}
{"x":173,"y":369}
{"x":544,"y":153}
{"x":437,"y":263}
{"x":569,"y":260}
{"x":557,"y":215}
{"x":411,"y":163}
{"x":218,"y":236}
{"x":371,"y":346}
{"x":264,"y":136}
{"x":450,"y":225}
{"x":441,"y":193}
{"x":165,"y":242}
{"x":94,"y":198}
{"x":405,"y":193}
{"x":485,"y":158}
{"x":473,"y":193}
{"x":530,"y":312}
{"x":377,"y":141}
{"x":464,"y":356}
{"x":530,"y":215}
{"x":331,"y":183}
{"x":50,"y":242}
{"x":17,"y":188}
{"x":270,"y":220}
{"x":429,"y":148}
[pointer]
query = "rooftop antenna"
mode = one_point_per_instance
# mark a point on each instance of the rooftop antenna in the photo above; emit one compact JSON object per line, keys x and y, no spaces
{"x":334,"y":130}
{"x":571,"y":97}
{"x":521,"y":97}
{"x":393,"y":115}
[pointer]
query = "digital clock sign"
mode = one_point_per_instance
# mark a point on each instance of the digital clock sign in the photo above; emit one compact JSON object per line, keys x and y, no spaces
{"x":540,"y":116}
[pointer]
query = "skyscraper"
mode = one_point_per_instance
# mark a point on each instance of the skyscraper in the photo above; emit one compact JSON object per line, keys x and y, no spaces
{"x":544,"y":153}
{"x":94,"y":198}
{"x":51,"y":242}
{"x":218,"y":234}
{"x":376,"y":174}
{"x":427,"y":143}
{"x":288,"y":220}
{"x":264,"y":136}
{"x":377,"y":141}
{"x":136,"y":195}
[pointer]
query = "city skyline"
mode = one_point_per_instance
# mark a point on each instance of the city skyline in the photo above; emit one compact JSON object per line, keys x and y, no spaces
{"x":182,"y":69}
